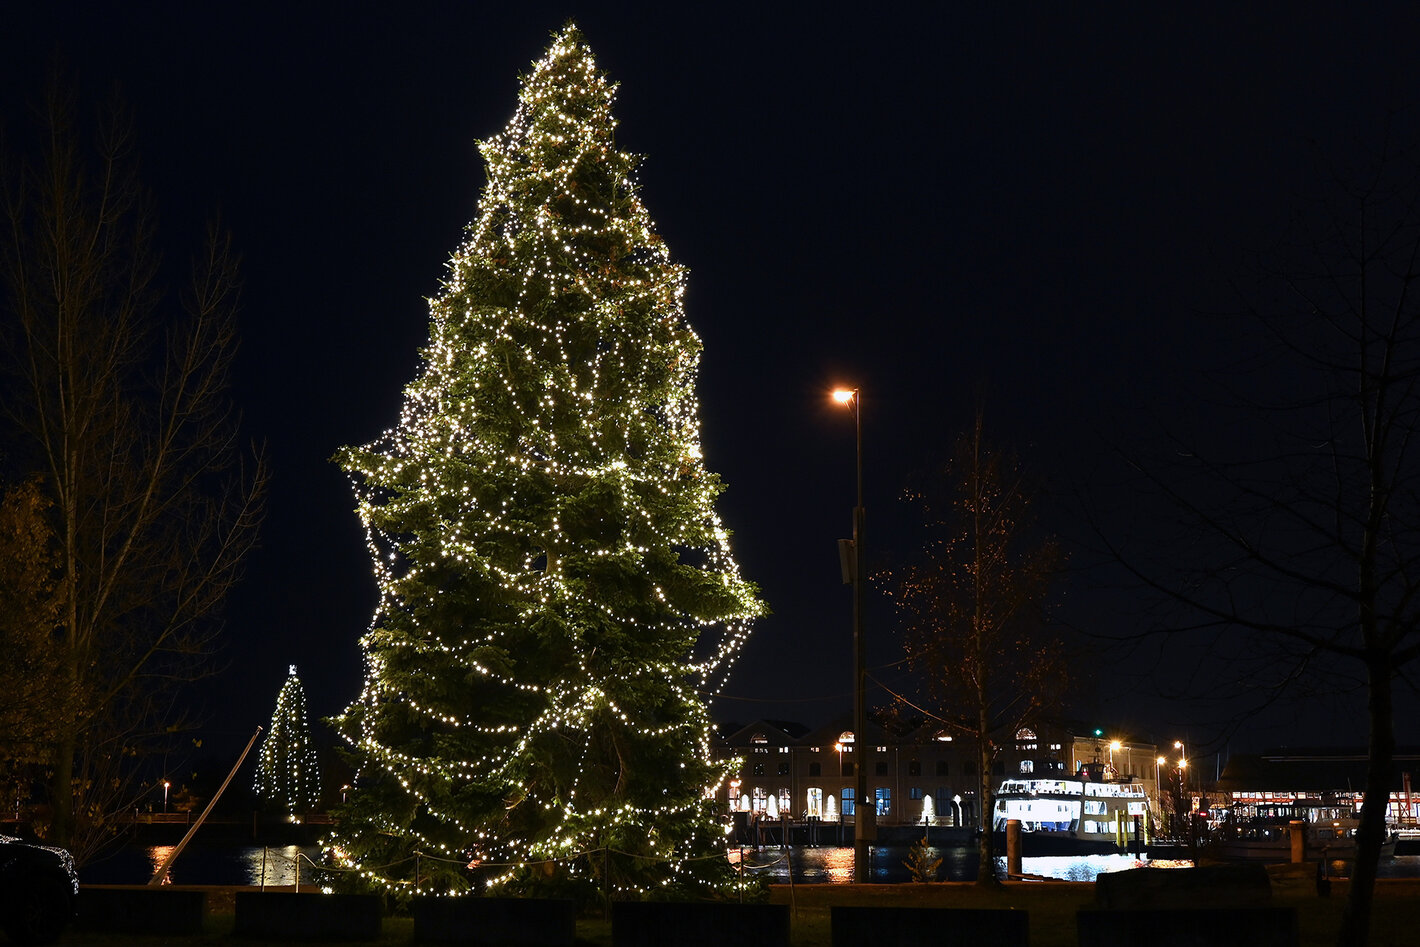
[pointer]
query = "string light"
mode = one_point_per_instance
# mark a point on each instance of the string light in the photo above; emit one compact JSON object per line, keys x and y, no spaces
{"x":555,"y":587}
{"x":288,"y":770}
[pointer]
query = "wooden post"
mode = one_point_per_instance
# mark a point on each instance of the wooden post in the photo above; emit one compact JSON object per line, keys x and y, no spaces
{"x":1013,"y":847}
{"x":1298,"y":831}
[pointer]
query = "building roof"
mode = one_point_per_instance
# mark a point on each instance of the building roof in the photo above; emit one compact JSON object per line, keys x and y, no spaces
{"x":1310,"y":769}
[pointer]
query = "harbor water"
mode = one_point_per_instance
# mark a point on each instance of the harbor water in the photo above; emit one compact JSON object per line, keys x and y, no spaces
{"x":834,"y":865}
{"x":238,"y":864}
{"x":206,"y":864}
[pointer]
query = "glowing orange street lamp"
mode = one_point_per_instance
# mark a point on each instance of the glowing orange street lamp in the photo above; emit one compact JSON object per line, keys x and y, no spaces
{"x":864,"y":812}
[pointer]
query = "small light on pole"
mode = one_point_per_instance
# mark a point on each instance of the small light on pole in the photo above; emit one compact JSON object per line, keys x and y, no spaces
{"x":166,"y":784}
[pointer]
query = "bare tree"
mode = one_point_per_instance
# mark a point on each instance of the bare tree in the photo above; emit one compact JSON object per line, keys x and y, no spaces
{"x":974,"y":606}
{"x":29,"y":613}
{"x":1304,"y":542}
{"x":116,"y":396}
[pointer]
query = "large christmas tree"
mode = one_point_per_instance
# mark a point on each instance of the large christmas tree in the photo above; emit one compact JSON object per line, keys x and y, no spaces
{"x":557,"y":594}
{"x":288,"y":769}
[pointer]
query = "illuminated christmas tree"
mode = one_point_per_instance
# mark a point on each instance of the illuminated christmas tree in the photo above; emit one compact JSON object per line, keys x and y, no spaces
{"x":288,"y":771}
{"x":557,"y":593}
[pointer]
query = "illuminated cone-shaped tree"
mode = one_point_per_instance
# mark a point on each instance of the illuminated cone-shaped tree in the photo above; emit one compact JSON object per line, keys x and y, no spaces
{"x":557,"y":593}
{"x":288,"y":771}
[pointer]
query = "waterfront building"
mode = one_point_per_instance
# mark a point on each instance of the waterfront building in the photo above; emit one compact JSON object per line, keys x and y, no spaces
{"x":1307,"y":777}
{"x":923,"y":776}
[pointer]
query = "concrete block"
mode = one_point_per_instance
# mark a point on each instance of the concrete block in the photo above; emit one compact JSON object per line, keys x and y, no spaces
{"x":505,"y":922}
{"x":947,"y":927}
{"x":284,"y":915}
{"x":1197,"y":927}
{"x":1219,"y":886}
{"x":699,"y":924}
{"x":139,"y":909}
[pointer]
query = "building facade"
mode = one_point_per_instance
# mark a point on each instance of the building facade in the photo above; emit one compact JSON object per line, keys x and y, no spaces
{"x":927,"y":776}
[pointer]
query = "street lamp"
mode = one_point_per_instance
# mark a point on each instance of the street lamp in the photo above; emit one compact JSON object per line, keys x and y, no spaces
{"x":1113,"y":745}
{"x":863,"y":812}
{"x":166,"y":784}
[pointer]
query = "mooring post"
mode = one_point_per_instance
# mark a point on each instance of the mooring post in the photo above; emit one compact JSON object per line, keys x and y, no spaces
{"x":1297,"y":829}
{"x":1013,"y":847}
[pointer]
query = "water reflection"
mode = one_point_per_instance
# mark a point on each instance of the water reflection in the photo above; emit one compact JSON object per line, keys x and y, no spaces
{"x":834,"y":865}
{"x":275,"y":866}
{"x":208,"y":864}
{"x":157,"y":855}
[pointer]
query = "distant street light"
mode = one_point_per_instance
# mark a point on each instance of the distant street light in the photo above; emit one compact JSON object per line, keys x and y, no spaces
{"x":863,"y":813}
{"x":1113,"y":745}
{"x":166,"y":784}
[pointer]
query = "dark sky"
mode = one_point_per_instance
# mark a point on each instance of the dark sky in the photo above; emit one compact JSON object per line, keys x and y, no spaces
{"x":943,"y":204}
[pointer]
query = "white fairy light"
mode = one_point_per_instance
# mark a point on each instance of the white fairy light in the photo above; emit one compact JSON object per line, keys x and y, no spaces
{"x":556,"y":591}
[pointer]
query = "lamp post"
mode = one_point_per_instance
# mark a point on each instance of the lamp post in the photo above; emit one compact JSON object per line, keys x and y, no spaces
{"x":1158,"y":788}
{"x":863,"y":811}
{"x":166,"y":784}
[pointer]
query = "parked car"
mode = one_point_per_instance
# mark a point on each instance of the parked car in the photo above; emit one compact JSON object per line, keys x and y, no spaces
{"x":38,"y":891}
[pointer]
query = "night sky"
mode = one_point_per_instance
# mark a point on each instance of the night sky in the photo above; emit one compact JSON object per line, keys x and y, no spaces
{"x":946,"y":204}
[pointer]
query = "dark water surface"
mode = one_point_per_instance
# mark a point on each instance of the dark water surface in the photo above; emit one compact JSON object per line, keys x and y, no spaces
{"x":206,"y":864}
{"x":238,"y":864}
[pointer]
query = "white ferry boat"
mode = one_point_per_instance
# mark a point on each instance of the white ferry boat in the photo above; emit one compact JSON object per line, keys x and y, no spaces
{"x":1092,"y":813}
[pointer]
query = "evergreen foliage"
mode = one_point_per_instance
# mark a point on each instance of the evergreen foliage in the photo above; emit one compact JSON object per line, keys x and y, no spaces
{"x":557,"y":592}
{"x":288,"y":772}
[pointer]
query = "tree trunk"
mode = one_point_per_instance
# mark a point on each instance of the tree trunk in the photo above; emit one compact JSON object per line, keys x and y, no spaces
{"x":1356,"y":919}
{"x":61,"y":792}
{"x":986,"y":845}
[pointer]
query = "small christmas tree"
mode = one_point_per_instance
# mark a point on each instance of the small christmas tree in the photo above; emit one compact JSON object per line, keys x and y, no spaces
{"x":288,"y":772}
{"x":557,"y":592}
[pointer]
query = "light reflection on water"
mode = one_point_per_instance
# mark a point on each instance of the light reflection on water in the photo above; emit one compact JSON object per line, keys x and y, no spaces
{"x":213,"y":864}
{"x":207,"y":864}
{"x":276,"y":866}
{"x":834,"y":865}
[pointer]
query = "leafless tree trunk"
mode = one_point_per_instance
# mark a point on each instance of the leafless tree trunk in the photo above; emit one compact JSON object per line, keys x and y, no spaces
{"x":116,"y":392}
{"x":974,"y":604}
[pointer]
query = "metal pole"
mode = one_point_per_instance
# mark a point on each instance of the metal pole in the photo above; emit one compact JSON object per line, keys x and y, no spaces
{"x":864,"y":806}
{"x":162,"y":871}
